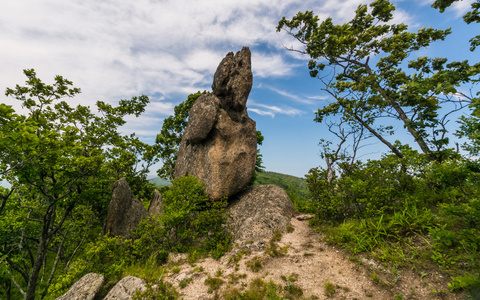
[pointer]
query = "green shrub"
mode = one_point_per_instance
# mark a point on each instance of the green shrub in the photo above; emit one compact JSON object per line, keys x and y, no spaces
{"x":465,"y":282}
{"x":162,"y":290}
{"x":213,"y":283}
{"x":191,"y":223}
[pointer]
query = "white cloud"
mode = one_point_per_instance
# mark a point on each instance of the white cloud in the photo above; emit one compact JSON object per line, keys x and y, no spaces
{"x":461,"y":7}
{"x":262,"y":112}
{"x":168,"y":48}
{"x":271,"y":65}
{"x":272,"y":110}
{"x":292,"y":96}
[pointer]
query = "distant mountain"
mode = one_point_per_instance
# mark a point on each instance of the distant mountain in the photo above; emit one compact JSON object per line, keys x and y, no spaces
{"x":159,"y":182}
{"x":295,"y":187}
{"x":287,"y":182}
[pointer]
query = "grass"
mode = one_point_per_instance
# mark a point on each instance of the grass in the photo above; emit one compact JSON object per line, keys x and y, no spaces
{"x":183,"y":284}
{"x":428,"y":239}
{"x":255,"y":264}
{"x":273,"y":249}
{"x":257,"y":290}
{"x":329,"y":288}
{"x":213,"y":283}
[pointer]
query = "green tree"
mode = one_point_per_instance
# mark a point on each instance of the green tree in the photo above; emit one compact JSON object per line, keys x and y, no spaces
{"x":369,"y":78}
{"x":469,"y":125}
{"x":472,"y":16}
{"x":170,"y":138}
{"x":58,"y":160}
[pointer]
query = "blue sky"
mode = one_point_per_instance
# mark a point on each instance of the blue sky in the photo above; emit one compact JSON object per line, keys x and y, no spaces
{"x":167,"y":49}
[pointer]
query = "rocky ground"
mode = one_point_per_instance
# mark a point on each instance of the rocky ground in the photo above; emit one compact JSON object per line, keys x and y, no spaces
{"x":301,"y":259}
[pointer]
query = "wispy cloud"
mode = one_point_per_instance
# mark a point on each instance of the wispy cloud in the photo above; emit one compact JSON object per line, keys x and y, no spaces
{"x":461,"y":7}
{"x":292,"y":96}
{"x":167,"y":48}
{"x":272,"y":110}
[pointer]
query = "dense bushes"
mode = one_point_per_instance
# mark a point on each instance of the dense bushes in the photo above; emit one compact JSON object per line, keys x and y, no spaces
{"x":390,"y":184}
{"x":192,"y":223}
{"x":404,"y":211}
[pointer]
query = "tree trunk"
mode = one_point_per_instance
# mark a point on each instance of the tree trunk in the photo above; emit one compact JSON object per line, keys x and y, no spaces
{"x":37,"y":265}
{"x":378,"y":136}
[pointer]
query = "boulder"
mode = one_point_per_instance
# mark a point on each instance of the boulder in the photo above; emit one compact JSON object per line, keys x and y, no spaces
{"x":126,"y":288}
{"x":219,"y":145}
{"x":258,"y":212}
{"x":156,"y":205}
{"x":85,"y":288}
{"x":124,"y":211}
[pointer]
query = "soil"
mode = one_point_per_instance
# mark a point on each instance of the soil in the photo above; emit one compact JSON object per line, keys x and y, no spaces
{"x":310,"y":263}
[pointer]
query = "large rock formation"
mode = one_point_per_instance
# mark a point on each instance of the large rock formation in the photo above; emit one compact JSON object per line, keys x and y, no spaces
{"x":156,"y":205}
{"x":258,"y":212}
{"x":219,"y":145}
{"x":124,"y":211}
{"x":85,"y":288}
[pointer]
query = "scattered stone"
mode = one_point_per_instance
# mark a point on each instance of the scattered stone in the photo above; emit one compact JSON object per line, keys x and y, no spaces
{"x":156,"y":205}
{"x":126,"y":288}
{"x":305,"y":217}
{"x":219,"y":145}
{"x":85,"y":288}
{"x":124,"y":211}
{"x":177,"y":258}
{"x":258,"y":212}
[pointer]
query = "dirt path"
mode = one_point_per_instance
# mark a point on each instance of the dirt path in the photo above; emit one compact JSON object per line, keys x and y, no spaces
{"x":310,"y":264}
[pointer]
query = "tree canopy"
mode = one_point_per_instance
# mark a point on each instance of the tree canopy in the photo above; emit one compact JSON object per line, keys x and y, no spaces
{"x":363,"y":66}
{"x":60,"y":161}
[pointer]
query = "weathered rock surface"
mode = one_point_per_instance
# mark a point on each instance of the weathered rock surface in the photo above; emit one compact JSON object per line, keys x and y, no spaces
{"x":84,"y":289}
{"x":126,"y":288}
{"x":219,"y":145}
{"x":156,"y":205}
{"x":258,"y":212}
{"x":124,"y":211}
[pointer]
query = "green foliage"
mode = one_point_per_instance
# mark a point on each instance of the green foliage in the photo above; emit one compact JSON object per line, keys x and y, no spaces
{"x":257,"y":290}
{"x":367,"y":77}
{"x":213,"y":283}
{"x":170,"y":136}
{"x":465,"y":282}
{"x":295,"y":187}
{"x":191,"y":223}
{"x":329,"y":288}
{"x":273,"y":249}
{"x":60,"y":161}
{"x":291,"y":289}
{"x":410,"y":211}
{"x":194,"y":218}
{"x":472,"y":16}
{"x":255,"y":264}
{"x":159,"y":290}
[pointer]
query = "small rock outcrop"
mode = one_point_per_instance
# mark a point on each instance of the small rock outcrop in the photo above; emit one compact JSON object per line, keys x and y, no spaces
{"x":219,"y":145}
{"x":124,"y":211}
{"x":84,"y":289}
{"x":126,"y":288}
{"x":156,"y":205}
{"x":258,"y":212}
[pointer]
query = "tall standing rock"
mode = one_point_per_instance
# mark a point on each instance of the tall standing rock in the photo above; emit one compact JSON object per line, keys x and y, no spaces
{"x":124,"y":211}
{"x":156,"y":205}
{"x":219,"y":145}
